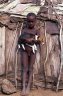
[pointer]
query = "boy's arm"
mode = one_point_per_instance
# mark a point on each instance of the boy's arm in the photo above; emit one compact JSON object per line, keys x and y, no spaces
{"x":37,"y":41}
{"x":21,"y":40}
{"x":24,"y":40}
{"x":37,"y":36}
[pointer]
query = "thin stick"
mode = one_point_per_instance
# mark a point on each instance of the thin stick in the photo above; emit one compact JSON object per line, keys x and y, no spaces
{"x":46,"y":55}
{"x":59,"y":77}
{"x":17,"y":56}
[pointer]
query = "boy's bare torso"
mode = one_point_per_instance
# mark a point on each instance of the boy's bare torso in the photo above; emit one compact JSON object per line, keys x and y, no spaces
{"x":29,"y":34}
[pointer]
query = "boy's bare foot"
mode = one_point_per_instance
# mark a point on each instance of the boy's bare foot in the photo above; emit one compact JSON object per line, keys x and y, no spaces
{"x":27,"y":91}
{"x":23,"y":93}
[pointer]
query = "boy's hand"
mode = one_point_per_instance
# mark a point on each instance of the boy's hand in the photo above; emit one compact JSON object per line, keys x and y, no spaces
{"x":29,"y":40}
{"x":41,"y":39}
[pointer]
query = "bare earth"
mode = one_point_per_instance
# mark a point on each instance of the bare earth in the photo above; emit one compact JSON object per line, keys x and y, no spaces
{"x":39,"y":92}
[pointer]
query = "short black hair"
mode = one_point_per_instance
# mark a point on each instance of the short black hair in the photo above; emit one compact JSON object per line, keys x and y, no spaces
{"x":31,"y":14}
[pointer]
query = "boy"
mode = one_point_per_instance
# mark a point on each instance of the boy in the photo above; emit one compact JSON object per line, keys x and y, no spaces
{"x":28,"y":41}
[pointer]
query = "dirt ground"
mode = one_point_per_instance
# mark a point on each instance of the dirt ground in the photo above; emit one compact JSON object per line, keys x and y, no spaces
{"x":39,"y":92}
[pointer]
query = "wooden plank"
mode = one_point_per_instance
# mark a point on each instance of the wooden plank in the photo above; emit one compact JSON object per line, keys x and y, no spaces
{"x":61,"y":56}
{"x":30,"y":9}
{"x":19,"y":8}
{"x":9,"y":6}
{"x":2,"y":50}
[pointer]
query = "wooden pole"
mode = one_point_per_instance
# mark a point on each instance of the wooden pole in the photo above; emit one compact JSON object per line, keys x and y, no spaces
{"x":46,"y":55}
{"x":60,"y":71}
{"x":16,"y":61}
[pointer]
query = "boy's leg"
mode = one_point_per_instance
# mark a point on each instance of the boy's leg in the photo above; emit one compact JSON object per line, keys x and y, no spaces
{"x":25,"y":70}
{"x":32,"y":61}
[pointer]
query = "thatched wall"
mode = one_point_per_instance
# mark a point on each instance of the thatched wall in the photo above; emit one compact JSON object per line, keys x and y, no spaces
{"x":49,"y":61}
{"x":9,"y":32}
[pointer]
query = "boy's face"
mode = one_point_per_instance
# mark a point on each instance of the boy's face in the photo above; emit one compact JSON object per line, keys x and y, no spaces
{"x":31,"y":21}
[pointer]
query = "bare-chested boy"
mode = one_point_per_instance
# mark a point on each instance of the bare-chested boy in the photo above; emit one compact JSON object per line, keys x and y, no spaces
{"x":28,"y":42}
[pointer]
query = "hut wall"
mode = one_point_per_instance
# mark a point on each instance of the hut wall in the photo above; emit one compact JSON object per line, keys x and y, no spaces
{"x":8,"y":41}
{"x":11,"y":46}
{"x":49,"y":54}
{"x":11,"y":41}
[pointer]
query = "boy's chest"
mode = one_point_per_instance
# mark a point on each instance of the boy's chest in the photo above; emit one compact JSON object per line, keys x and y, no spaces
{"x":29,"y":34}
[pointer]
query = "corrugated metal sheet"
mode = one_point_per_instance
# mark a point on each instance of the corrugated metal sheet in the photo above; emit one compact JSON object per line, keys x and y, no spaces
{"x":16,"y":7}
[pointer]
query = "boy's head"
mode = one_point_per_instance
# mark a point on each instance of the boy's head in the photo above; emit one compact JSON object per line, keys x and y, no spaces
{"x":31,"y":19}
